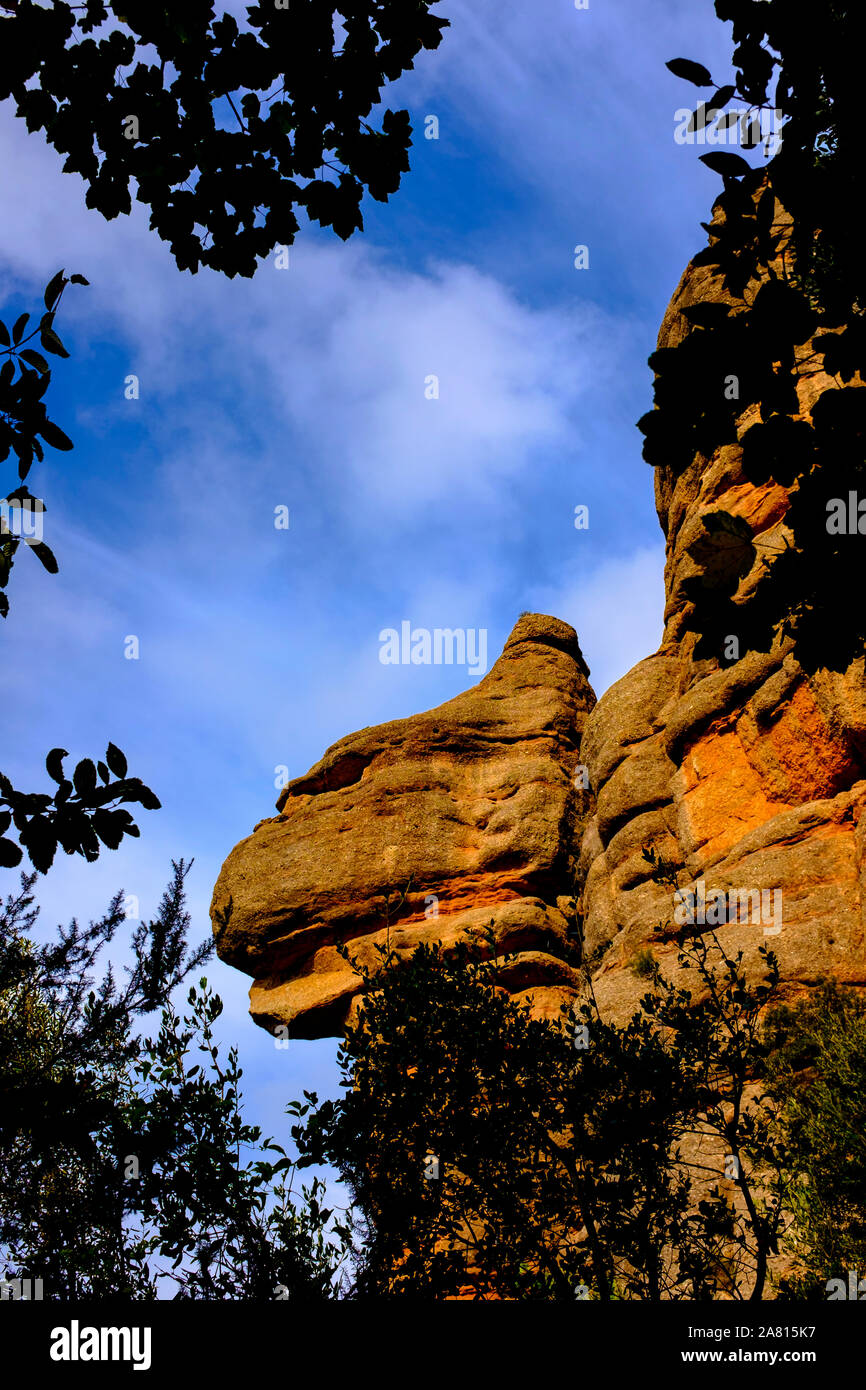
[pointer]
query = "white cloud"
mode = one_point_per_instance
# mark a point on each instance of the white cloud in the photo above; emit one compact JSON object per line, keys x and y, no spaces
{"x":506,"y":377}
{"x":341,"y":345}
{"x":616,"y":609}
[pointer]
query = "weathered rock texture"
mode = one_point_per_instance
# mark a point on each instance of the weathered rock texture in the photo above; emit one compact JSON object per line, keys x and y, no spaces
{"x":748,"y":776}
{"x":471,"y":807}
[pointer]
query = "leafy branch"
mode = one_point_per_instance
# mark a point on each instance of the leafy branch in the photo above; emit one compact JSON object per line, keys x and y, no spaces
{"x":84,"y":813}
{"x":24,"y":421}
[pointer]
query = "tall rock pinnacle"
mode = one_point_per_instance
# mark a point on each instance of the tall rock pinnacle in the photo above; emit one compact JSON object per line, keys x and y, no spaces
{"x":747,"y":777}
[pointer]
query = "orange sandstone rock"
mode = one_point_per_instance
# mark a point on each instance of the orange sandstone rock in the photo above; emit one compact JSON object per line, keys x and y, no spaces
{"x":747,"y":777}
{"x":472,"y":806}
{"x":759,"y":767}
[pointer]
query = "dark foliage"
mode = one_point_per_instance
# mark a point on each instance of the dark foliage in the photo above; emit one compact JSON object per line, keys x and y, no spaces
{"x":492,"y":1154}
{"x":24,"y":424}
{"x":84,"y":813}
{"x":225,"y":129}
{"x":816,"y":1072}
{"x":771,"y":338}
{"x":125,"y":1160}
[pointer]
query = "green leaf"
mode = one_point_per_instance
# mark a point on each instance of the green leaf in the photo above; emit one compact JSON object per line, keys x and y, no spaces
{"x":44,"y":555}
{"x":52,"y":343}
{"x":116,"y":760}
{"x":729,"y":120}
{"x":53,"y":288}
{"x":35,"y":359}
{"x":10,"y":854}
{"x":40,"y":842}
{"x":54,"y":763}
{"x":108,"y":828}
{"x":721,"y":98}
{"x":692,"y":72}
{"x":730,"y":165}
{"x":84,"y":778}
{"x":54,"y":435}
{"x":19,"y":327}
{"x":103,"y":772}
{"x":63,"y":793}
{"x":700,"y":113}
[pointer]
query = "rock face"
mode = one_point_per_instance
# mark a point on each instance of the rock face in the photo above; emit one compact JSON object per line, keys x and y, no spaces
{"x":748,"y":777}
{"x":420,"y":830}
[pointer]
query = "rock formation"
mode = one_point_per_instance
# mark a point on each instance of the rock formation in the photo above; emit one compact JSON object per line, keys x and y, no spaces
{"x":747,"y":777}
{"x":421,"y":830}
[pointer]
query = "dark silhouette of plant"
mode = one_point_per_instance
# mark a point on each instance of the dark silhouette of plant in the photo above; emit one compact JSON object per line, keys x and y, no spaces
{"x":86,"y":811}
{"x":83,"y":814}
{"x":225,"y":128}
{"x":490,"y":1153}
{"x":816,"y":1073}
{"x":125,"y":1160}
{"x":24,"y":423}
{"x":794,"y":302}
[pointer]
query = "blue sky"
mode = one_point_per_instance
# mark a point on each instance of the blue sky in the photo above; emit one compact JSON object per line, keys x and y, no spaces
{"x":305,"y":388}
